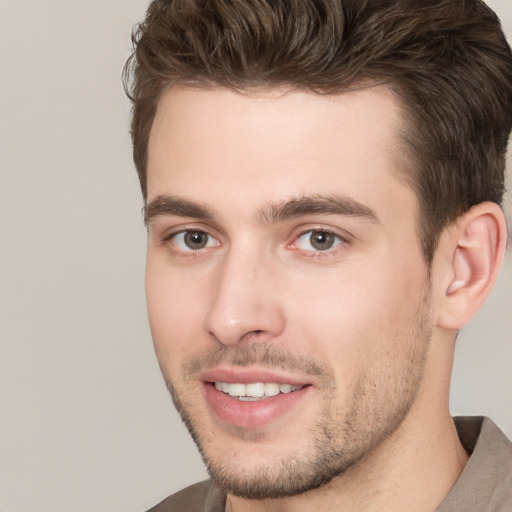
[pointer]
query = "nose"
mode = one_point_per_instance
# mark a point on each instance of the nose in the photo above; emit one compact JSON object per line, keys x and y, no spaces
{"x":245,"y":304}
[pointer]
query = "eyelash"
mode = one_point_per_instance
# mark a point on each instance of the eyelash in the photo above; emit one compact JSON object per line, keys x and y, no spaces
{"x":338,"y":241}
{"x":169,"y":238}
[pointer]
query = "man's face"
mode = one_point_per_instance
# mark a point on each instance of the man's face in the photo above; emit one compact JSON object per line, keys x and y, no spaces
{"x":287,"y":293}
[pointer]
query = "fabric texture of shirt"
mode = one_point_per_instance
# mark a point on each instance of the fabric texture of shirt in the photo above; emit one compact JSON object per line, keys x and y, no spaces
{"x":485,"y":485}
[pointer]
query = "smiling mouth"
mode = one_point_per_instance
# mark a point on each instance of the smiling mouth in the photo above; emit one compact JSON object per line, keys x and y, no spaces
{"x":254,"y":391}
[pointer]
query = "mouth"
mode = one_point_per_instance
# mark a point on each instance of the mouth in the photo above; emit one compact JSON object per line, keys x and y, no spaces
{"x":254,"y":391}
{"x":253,"y":398}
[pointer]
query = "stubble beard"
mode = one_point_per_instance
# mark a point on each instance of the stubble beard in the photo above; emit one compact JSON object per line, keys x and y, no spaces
{"x":339,"y":439}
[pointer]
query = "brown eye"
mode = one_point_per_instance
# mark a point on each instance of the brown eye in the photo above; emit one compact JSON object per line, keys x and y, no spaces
{"x":317,"y":240}
{"x":195,"y":240}
{"x":322,"y":240}
{"x":192,"y":240}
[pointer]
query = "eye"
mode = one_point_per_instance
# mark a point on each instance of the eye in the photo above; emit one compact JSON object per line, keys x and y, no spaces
{"x":193,"y":240}
{"x":317,"y":240}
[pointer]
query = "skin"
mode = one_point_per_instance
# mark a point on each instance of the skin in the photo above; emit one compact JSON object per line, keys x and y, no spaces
{"x":363,"y":323}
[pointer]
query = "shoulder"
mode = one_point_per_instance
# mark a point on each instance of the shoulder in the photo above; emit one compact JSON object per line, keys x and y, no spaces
{"x":484,"y":441}
{"x":486,"y":482}
{"x":201,"y":497}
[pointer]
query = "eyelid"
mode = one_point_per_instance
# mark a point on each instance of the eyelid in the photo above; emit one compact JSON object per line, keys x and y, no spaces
{"x":166,"y":233}
{"x":299,"y":233}
{"x":166,"y":238}
{"x":180,"y":242}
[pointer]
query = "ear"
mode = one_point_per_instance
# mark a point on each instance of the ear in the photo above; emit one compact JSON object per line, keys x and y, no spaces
{"x":473,"y":250}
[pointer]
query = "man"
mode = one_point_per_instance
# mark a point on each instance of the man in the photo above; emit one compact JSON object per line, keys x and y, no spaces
{"x":322,"y":181}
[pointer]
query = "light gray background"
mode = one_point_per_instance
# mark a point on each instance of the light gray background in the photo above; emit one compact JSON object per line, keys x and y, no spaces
{"x":85,"y":421}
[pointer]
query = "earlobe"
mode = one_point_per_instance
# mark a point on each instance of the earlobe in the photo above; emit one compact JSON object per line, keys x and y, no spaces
{"x":476,"y":245}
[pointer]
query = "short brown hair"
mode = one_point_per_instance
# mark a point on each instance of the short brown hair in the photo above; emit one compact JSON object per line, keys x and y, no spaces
{"x":447,"y":60}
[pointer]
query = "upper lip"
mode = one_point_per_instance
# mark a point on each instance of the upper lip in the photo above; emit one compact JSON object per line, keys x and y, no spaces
{"x":240,"y":375}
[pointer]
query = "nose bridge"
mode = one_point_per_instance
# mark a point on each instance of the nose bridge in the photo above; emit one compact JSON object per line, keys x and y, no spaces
{"x":245,"y":299}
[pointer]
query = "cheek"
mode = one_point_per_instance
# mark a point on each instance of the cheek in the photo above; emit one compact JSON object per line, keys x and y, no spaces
{"x":334,"y":319}
{"x":174,"y":310}
{"x":357,"y":317}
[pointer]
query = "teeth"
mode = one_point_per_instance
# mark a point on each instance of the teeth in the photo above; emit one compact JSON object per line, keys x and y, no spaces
{"x":285,"y":388}
{"x":271,"y":389}
{"x":236,"y":390}
{"x":255,"y":390}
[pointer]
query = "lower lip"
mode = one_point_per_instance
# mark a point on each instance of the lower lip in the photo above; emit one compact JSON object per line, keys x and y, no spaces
{"x":254,"y":414}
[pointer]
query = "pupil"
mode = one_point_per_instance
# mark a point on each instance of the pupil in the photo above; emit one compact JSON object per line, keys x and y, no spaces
{"x":195,"y":239}
{"x":321,"y":240}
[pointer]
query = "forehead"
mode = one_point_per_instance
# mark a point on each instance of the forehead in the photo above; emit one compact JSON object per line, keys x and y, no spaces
{"x":209,"y":144}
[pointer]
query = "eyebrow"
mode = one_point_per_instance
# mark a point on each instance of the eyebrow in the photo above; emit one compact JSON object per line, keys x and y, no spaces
{"x":271,"y":213}
{"x":170,"y":205}
{"x":318,"y":205}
